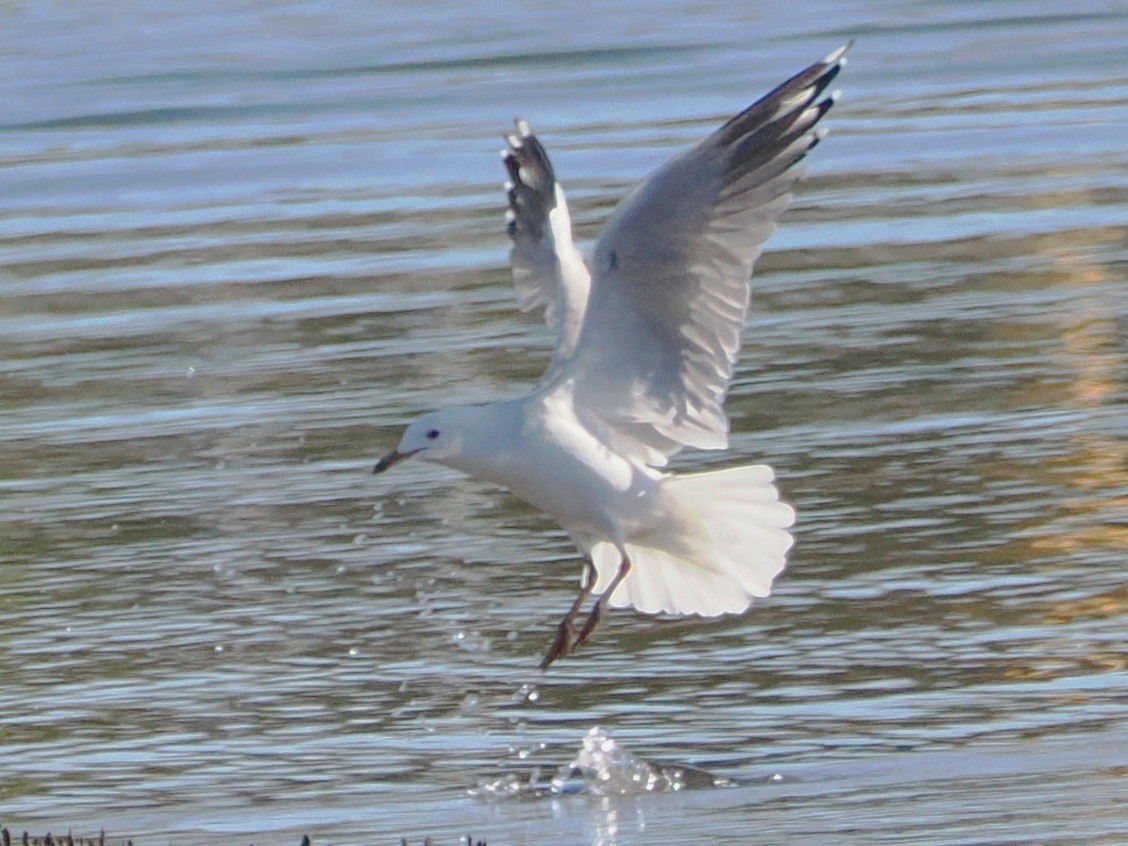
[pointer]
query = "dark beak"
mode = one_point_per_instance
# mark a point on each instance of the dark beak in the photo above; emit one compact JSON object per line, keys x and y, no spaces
{"x":392,"y":458}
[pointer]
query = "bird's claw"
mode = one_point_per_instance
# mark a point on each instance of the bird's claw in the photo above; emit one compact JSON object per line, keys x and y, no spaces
{"x":562,"y":644}
{"x":566,"y":640}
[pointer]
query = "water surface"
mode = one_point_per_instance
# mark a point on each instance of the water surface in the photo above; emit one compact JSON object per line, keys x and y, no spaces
{"x":238,"y":252}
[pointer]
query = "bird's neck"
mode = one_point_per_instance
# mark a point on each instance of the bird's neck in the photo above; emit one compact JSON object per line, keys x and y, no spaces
{"x":490,"y":434}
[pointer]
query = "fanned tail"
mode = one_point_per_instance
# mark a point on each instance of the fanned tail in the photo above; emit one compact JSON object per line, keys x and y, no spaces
{"x":725,"y":540}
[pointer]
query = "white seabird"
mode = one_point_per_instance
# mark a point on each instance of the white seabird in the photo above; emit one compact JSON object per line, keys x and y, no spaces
{"x":649,"y":331}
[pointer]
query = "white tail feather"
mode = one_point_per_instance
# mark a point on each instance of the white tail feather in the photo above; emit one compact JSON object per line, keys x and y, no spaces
{"x":724,"y":540}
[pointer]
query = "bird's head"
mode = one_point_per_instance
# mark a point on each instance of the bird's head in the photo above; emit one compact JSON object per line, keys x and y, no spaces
{"x":433,"y":437}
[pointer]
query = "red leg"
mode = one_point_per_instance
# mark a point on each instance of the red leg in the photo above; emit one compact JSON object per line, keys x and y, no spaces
{"x":597,"y":611}
{"x":565,"y":632}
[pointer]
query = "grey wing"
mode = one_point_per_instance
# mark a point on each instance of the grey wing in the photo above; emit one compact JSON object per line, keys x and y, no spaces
{"x":548,"y":270}
{"x":670,"y":294}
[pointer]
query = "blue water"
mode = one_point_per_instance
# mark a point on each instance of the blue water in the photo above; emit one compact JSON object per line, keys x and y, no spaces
{"x":240,"y":248}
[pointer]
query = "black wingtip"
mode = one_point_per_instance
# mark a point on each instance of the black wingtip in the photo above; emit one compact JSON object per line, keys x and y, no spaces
{"x":785,"y":101}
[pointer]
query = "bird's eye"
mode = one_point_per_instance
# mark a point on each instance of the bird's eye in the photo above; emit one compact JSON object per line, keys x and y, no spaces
{"x":432,"y":434}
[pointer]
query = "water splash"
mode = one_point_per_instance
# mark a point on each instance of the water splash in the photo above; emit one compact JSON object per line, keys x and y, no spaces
{"x":602,"y":767}
{"x":606,"y":768}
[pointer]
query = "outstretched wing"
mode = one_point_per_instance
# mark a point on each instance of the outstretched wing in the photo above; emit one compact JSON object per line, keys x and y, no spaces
{"x":662,"y":327}
{"x":548,"y":270}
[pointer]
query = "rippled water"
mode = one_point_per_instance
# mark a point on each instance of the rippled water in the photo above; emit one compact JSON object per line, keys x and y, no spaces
{"x":239,"y":251}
